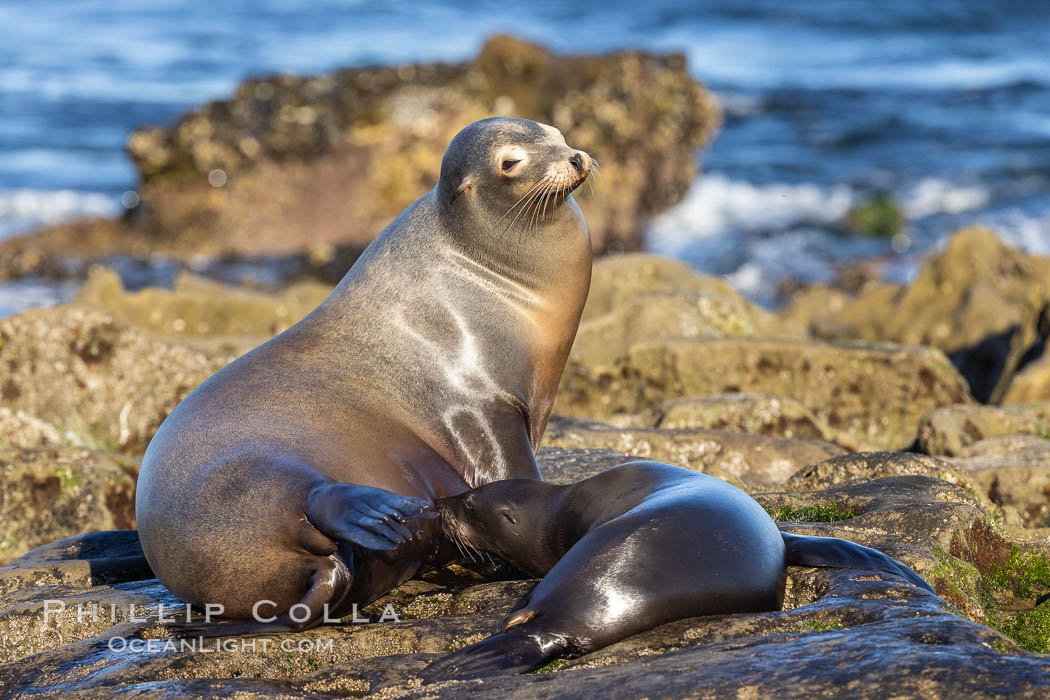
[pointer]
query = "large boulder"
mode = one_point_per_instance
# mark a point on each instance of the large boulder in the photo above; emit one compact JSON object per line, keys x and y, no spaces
{"x":762,"y":414}
{"x":201,"y":309}
{"x":872,"y":396}
{"x":951,"y":429}
{"x":979,"y":300}
{"x":1014,"y":470}
{"x":1032,"y":383}
{"x":656,"y":337}
{"x":94,"y":380}
{"x":644,"y":298}
{"x":976,"y":287}
{"x":291,"y":164}
{"x":755,"y":460}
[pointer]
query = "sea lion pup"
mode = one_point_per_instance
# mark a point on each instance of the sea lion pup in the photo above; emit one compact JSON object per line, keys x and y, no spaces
{"x":624,"y":551}
{"x":296,"y":481}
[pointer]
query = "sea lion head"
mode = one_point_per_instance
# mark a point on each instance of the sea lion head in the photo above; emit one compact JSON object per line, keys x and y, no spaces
{"x":507,"y":518}
{"x":513,"y":172}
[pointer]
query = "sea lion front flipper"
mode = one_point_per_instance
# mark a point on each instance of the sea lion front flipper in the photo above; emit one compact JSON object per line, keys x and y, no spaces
{"x":805,"y":550}
{"x":370,"y":517}
{"x":513,"y":651}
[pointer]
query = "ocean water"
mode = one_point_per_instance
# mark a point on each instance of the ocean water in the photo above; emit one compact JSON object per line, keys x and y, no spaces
{"x":945,"y":105}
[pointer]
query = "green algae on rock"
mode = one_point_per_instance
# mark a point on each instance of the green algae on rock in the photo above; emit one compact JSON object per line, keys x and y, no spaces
{"x":814,"y":513}
{"x":879,"y":216}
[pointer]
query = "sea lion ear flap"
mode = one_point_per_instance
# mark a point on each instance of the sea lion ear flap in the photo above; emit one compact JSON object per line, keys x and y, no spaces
{"x":466,"y":184}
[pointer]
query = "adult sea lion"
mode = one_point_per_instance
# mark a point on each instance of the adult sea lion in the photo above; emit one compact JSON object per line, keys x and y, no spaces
{"x":296,"y":480}
{"x":624,"y":551}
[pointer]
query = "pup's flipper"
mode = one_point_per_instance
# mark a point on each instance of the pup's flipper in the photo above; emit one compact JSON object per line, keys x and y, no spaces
{"x":803,"y":550}
{"x":513,"y":651}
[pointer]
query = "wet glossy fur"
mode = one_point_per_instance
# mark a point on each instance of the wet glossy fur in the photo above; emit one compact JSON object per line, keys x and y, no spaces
{"x":624,"y":551}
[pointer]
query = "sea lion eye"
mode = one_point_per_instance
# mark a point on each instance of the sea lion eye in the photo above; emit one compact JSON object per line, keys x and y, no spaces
{"x":508,"y":165}
{"x":509,"y":516}
{"x":468,"y":502}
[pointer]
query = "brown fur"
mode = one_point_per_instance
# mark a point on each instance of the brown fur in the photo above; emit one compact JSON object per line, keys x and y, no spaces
{"x":431,"y":368}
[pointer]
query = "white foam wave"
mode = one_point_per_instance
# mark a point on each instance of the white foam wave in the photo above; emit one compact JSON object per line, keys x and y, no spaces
{"x":26,"y":208}
{"x":1026,"y":231}
{"x":738,"y":104}
{"x":935,"y":196}
{"x":757,"y":235}
{"x":717,"y":205}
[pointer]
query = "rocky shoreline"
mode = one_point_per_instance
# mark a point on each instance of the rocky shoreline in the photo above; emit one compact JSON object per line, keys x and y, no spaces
{"x":677,"y":367}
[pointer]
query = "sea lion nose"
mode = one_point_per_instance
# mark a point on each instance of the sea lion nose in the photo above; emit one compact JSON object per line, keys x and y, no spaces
{"x":577,"y":161}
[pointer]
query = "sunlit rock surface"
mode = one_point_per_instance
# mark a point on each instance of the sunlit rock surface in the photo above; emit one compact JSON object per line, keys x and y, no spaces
{"x":860,"y":630}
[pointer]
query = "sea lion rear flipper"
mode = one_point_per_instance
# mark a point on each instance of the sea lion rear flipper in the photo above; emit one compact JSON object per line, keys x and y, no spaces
{"x":513,"y":651}
{"x":329,"y":584}
{"x":804,"y":550}
{"x":370,"y":517}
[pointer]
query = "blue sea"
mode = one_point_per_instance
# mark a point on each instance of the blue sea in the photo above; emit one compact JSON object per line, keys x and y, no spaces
{"x":944,"y":104}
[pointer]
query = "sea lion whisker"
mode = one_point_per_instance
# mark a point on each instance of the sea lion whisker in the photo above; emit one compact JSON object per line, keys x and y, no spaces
{"x":537,"y":217}
{"x":498,"y":221}
{"x":550,"y":190}
{"x":532,"y":216}
{"x":541,"y":208}
{"x":532,"y":198}
{"x":536,"y":213}
{"x":531,"y":201}
{"x":554,"y":192}
{"x":454,"y":535}
{"x":531,"y":194}
{"x":598,"y":171}
{"x":594,"y":191}
{"x":450,"y":526}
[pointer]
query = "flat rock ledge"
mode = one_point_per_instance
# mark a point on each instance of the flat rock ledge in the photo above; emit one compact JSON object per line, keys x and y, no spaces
{"x":840,"y":631}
